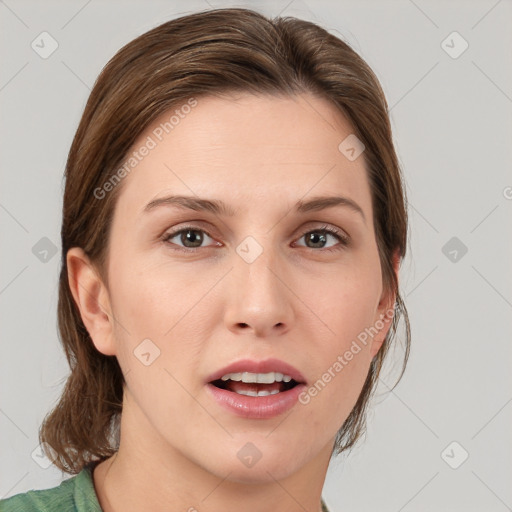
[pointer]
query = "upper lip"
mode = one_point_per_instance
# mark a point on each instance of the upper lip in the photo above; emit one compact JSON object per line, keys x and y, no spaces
{"x":265,"y":366}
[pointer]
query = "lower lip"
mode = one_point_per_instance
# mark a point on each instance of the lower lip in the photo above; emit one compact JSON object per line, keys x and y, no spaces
{"x":256,"y":407}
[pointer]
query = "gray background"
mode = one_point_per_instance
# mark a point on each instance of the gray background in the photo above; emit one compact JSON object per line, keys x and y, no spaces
{"x":452,"y":125}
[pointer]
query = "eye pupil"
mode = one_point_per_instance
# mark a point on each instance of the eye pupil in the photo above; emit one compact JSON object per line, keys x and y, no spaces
{"x":313,"y":236}
{"x":186,"y":237}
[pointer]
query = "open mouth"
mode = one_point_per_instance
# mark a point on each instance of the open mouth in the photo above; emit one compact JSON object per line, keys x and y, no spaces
{"x":255,"y":384}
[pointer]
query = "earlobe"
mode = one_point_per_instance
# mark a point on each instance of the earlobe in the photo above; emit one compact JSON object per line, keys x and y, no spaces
{"x":92,"y":299}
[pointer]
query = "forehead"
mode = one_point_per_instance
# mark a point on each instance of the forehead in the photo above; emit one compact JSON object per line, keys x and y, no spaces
{"x":243,"y":147}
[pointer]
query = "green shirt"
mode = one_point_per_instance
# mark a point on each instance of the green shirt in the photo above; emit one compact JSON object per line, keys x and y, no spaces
{"x":76,"y":494}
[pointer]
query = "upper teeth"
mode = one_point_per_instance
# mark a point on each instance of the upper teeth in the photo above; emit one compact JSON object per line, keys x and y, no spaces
{"x":264,"y":378}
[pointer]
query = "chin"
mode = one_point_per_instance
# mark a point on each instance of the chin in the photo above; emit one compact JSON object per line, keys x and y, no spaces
{"x":260,"y":461}
{"x":261,"y":473}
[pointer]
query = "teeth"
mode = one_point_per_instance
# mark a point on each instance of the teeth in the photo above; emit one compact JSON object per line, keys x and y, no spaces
{"x":232,"y":376}
{"x":259,"y":393}
{"x":266,"y":378}
{"x":247,"y":377}
{"x":262,"y":378}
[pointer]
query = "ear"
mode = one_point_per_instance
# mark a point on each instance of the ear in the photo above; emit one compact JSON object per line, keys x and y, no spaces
{"x":385,"y":312}
{"x":92,"y":299}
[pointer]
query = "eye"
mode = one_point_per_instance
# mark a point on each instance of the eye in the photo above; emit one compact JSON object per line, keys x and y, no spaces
{"x":320,"y":236}
{"x":191,"y":237}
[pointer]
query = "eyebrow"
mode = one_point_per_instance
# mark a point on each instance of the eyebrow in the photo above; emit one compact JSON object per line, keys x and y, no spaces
{"x":218,"y":207}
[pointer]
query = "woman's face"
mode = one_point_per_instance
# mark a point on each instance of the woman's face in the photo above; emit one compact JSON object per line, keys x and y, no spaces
{"x":254,"y":285}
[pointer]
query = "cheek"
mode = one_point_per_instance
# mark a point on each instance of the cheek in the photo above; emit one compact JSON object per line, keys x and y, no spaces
{"x":151,"y":330}
{"x":345,"y":304}
{"x":170,"y":307}
{"x":144,"y":298}
{"x":341,"y":357}
{"x":336,"y":387}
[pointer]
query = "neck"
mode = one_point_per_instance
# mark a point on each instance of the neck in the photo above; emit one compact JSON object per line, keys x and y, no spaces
{"x":146,"y":475}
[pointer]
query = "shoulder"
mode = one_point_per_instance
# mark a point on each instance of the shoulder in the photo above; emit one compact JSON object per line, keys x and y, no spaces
{"x":76,"y":494}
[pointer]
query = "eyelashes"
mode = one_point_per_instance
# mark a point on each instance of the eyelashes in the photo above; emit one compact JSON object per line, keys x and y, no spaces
{"x":325,"y":231}
{"x":343,"y":239}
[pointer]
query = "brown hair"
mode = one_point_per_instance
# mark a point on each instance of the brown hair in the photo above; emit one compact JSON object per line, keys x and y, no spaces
{"x":205,"y":53}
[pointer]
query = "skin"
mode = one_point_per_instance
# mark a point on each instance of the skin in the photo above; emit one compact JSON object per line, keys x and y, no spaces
{"x":205,"y":309}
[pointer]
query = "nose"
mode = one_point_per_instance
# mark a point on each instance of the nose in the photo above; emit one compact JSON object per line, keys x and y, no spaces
{"x":259,"y":299}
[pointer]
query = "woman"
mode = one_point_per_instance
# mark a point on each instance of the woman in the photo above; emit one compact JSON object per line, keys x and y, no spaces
{"x":233,"y":225}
